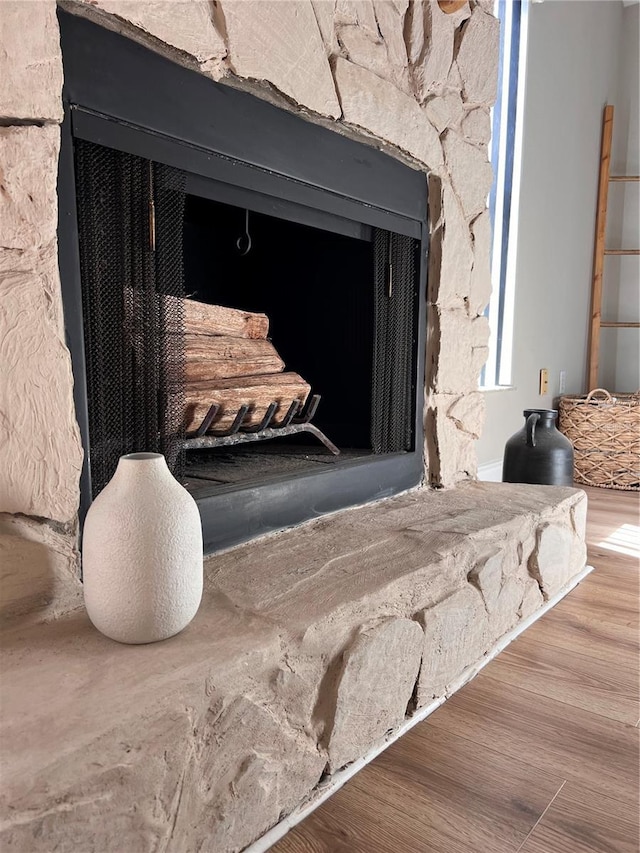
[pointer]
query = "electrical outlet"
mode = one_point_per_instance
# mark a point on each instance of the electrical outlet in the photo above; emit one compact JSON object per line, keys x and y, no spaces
{"x":562,"y":385}
{"x":544,"y":381}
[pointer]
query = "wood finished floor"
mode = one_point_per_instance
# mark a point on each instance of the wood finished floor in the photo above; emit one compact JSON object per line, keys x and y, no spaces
{"x":538,"y":754}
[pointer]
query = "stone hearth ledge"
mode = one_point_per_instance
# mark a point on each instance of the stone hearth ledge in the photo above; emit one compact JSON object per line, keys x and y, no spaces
{"x":309,"y":647}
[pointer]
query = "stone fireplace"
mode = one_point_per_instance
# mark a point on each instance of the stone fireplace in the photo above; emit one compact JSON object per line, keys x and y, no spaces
{"x":406,"y":78}
{"x":336,"y":265}
{"x":313,"y":644}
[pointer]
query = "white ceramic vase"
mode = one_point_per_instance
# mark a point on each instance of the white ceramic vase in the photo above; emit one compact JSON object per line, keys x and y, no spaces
{"x":142,"y":553}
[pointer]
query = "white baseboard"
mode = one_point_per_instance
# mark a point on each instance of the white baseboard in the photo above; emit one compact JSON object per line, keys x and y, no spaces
{"x":338,"y":779}
{"x":491,"y":472}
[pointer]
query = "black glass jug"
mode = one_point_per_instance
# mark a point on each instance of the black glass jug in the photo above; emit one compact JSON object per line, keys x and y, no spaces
{"x":538,"y":453}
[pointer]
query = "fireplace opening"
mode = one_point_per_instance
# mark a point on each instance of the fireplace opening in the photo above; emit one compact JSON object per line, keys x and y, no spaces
{"x":341,"y":314}
{"x":165,"y":216}
{"x":319,"y":290}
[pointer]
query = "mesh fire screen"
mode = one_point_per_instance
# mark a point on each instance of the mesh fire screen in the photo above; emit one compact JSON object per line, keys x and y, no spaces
{"x":130,"y":220}
{"x":130,"y":226}
{"x":394,"y":342}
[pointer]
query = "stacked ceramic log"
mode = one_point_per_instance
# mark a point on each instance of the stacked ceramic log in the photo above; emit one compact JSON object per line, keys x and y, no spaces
{"x":230,"y":361}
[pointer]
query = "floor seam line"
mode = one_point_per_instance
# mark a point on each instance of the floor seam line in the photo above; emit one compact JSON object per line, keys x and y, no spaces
{"x":559,"y":701}
{"x":533,"y":828}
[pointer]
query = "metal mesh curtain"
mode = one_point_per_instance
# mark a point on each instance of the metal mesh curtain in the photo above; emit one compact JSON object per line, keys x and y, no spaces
{"x":395,"y":321}
{"x":130,"y":222}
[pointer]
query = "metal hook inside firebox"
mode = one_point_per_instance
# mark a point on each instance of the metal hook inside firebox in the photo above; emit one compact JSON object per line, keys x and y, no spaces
{"x":243,"y":244}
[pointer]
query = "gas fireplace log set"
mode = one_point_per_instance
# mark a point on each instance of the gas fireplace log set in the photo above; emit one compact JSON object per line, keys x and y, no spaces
{"x":230,"y":362}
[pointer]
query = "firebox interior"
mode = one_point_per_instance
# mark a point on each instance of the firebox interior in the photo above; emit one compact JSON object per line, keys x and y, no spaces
{"x":315,"y":286}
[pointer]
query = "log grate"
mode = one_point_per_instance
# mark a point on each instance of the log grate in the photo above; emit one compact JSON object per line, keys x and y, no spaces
{"x":296,"y":420}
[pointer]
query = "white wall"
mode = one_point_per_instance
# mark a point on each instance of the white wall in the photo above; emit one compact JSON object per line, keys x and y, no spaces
{"x":572,"y":72}
{"x":620,"y":348}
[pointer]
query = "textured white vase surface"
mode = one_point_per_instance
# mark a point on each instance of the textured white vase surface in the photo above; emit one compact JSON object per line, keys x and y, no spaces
{"x":142,"y":553}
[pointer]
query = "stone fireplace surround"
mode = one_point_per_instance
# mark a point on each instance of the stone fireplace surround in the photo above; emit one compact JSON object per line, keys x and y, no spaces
{"x":311,"y":644}
{"x":403,"y":76}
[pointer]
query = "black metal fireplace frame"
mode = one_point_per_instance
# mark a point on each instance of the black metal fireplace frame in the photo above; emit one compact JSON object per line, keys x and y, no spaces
{"x":121,"y":95}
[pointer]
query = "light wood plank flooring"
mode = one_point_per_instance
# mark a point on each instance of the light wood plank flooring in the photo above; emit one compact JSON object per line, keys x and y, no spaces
{"x":538,"y":754}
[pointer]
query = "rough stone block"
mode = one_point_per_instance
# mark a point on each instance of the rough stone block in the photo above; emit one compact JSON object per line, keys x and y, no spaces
{"x":381,"y":109}
{"x":437,"y":111}
{"x":455,"y":423}
{"x":476,"y":126}
{"x":40,"y":450}
{"x":39,"y":570}
{"x":456,"y":635}
{"x":445,"y":110}
{"x":358,"y":13}
{"x":247,"y":769}
{"x":578,"y":521}
{"x":164,"y":744}
{"x":375,"y":685}
{"x":551,"y":563}
{"x":183,"y":30}
{"x":295,"y":688}
{"x":478,"y":57}
{"x":479,"y":347}
{"x":486,"y":575}
{"x":281,"y":43}
{"x":471,"y":172}
{"x":324,"y":12}
{"x":433,"y":62}
{"x":390,"y":15}
{"x":456,"y":457}
{"x":414,"y":31}
{"x":532,"y":599}
{"x":462,"y":351}
{"x":80,"y":791}
{"x":362,"y":51}
{"x":308,"y":589}
{"x":468,"y":413}
{"x":480,"y":282}
{"x":386,"y":59}
{"x":506,"y":611}
{"x":433,"y":288}
{"x":454,"y":79}
{"x":28,"y":177}
{"x":457,"y":253}
{"x":453,"y":100}
{"x":579,"y":518}
{"x":30,"y":61}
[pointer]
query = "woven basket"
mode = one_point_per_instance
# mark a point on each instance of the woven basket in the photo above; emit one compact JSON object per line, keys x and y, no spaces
{"x":605,"y":433}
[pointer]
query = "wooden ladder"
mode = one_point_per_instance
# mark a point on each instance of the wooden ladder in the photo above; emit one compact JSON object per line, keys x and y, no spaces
{"x":600,"y":251}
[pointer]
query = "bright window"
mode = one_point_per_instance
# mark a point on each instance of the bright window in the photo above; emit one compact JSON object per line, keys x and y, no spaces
{"x":503,"y":201}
